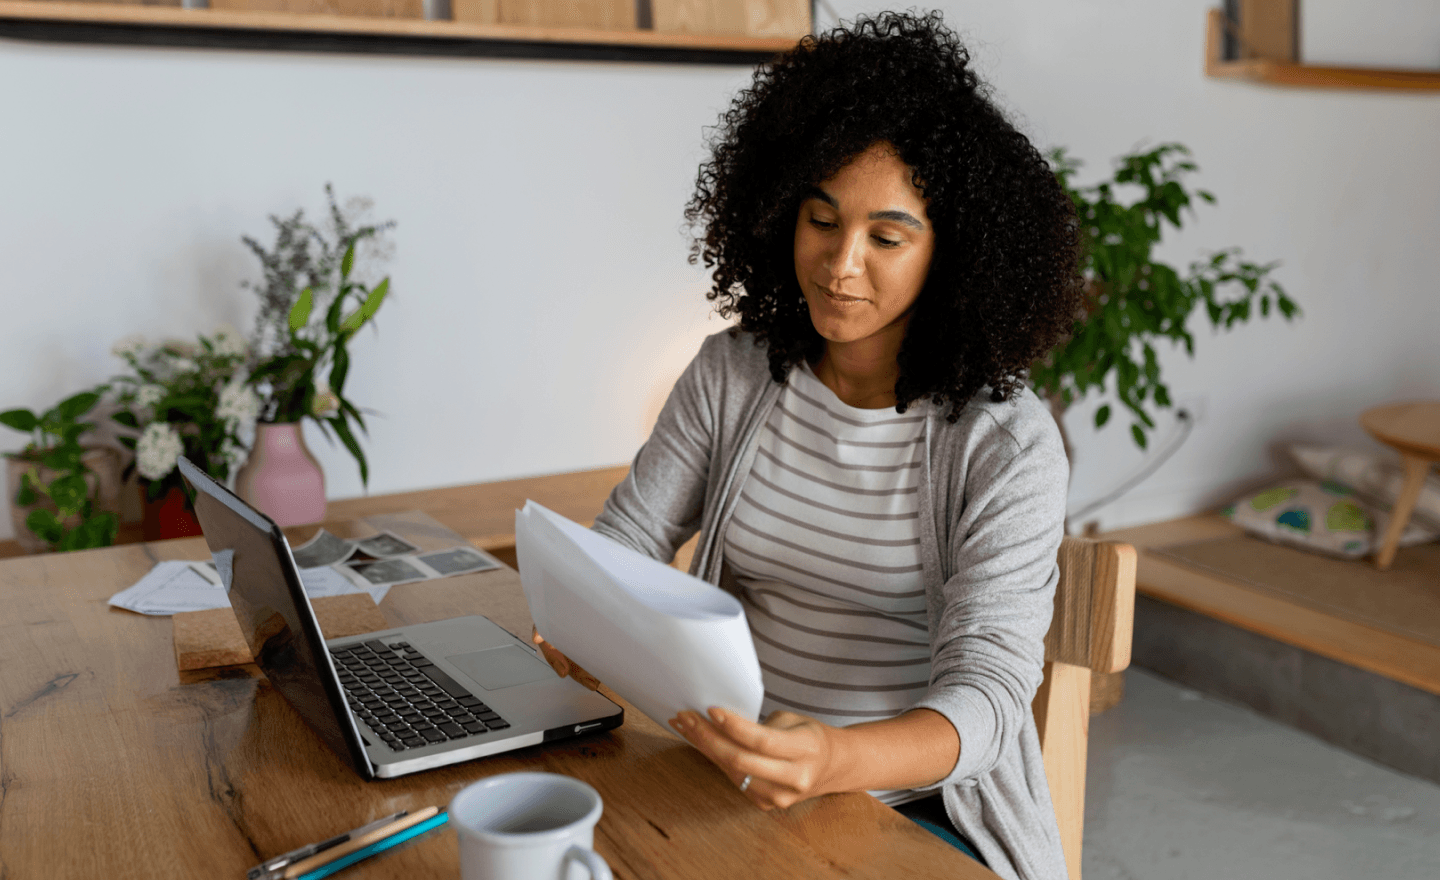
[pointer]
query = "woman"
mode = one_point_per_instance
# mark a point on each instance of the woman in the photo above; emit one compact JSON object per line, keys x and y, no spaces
{"x":865,"y":467}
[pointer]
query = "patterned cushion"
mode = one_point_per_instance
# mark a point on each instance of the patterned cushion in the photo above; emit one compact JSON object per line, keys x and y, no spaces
{"x":1319,"y":515}
{"x":1375,"y":477}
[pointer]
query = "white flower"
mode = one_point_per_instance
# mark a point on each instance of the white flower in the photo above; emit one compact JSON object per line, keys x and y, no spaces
{"x":157,"y":450}
{"x":147,"y":396}
{"x":183,"y":365}
{"x":234,"y":455}
{"x":238,"y":407}
{"x":227,"y":342}
{"x":128,"y":346}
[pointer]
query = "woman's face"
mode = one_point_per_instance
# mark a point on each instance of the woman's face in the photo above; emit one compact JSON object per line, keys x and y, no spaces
{"x":863,"y":245}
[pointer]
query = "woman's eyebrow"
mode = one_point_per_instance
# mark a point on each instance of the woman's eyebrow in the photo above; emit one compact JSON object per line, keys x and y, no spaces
{"x":898,"y":216}
{"x":894,"y":214}
{"x":815,"y":192}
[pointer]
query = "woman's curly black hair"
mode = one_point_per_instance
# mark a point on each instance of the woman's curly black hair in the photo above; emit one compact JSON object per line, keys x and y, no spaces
{"x":1003,"y":287}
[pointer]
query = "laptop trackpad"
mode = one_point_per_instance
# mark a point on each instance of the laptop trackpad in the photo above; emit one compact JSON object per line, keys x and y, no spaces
{"x":503,"y":667}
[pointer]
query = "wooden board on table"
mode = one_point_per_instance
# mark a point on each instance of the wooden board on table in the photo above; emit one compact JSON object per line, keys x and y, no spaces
{"x":205,"y":639}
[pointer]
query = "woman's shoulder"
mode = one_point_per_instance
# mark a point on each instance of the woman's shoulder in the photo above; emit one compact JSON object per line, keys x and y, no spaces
{"x":733,"y":346}
{"x":1021,"y":422}
{"x":732,"y":354}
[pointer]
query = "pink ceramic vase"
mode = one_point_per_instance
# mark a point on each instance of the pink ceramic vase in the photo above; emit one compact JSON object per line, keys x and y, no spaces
{"x":281,"y":478}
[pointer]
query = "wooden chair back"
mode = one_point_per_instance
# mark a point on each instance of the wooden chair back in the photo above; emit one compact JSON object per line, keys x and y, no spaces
{"x":1090,"y":632}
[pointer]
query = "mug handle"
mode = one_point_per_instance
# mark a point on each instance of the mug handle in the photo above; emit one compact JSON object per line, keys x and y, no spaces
{"x":596,"y":865}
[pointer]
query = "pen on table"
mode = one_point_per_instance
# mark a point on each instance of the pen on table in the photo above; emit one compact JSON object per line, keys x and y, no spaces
{"x":269,"y":867}
{"x":327,"y":862}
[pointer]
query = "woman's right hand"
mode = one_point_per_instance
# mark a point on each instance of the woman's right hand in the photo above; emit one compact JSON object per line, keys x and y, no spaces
{"x":563,"y":665}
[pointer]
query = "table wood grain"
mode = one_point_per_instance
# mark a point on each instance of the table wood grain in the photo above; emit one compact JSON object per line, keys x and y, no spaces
{"x":114,"y":764}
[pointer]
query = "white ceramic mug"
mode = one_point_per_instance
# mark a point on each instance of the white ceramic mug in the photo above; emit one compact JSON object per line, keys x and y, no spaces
{"x":528,"y":826}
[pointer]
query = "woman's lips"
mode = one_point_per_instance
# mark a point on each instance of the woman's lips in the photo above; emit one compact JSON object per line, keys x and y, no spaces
{"x":840,"y":299}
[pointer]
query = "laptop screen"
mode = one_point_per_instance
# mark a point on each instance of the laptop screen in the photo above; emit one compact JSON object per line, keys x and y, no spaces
{"x":275,"y":616}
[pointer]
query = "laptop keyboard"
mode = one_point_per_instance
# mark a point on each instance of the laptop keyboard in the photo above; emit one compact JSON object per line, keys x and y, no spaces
{"x":407,"y":700}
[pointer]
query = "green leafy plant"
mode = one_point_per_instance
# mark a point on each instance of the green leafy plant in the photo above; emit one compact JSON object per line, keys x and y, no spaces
{"x":185,"y":398}
{"x":312,"y":305}
{"x":1134,"y":301}
{"x":65,"y":515}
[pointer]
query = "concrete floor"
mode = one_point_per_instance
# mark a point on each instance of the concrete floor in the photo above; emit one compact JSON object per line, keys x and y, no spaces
{"x":1186,"y":787}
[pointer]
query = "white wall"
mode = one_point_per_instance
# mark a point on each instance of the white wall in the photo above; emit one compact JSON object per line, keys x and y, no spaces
{"x":1342,"y":187}
{"x":543,"y":303}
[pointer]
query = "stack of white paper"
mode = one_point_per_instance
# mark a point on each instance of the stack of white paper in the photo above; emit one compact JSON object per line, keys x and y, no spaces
{"x":662,"y":639}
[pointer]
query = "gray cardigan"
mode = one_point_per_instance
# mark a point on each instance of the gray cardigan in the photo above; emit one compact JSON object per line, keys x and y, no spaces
{"x":991,"y":518}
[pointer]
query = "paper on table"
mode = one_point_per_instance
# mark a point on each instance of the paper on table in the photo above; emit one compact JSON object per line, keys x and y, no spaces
{"x":662,"y":639}
{"x":173,"y":586}
{"x":325,"y":580}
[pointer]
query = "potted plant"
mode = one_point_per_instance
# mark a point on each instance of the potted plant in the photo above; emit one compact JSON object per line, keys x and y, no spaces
{"x":183,"y":398}
{"x":1134,"y":301}
{"x":312,"y":305}
{"x":66,"y":495}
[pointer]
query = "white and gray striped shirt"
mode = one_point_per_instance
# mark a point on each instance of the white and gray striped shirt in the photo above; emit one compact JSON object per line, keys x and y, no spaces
{"x":825,"y":548}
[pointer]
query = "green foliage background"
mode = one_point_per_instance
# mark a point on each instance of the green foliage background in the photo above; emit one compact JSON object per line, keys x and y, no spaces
{"x":74,"y":524}
{"x":1135,"y":301}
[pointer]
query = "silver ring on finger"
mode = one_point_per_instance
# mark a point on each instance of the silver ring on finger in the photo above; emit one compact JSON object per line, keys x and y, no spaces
{"x":745,"y":783}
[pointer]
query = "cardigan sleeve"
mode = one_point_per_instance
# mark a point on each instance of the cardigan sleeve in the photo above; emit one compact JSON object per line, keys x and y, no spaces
{"x":990,"y":616}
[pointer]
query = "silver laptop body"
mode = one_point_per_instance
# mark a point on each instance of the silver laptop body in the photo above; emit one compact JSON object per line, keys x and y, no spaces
{"x":396,"y":701}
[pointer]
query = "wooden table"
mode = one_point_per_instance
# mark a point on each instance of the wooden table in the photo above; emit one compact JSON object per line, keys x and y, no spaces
{"x":114,"y":765}
{"x":1414,"y":430}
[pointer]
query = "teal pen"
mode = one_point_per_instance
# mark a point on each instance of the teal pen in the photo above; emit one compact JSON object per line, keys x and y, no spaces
{"x":378,"y":846}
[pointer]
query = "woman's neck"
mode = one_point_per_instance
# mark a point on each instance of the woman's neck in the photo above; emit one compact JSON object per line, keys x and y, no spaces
{"x":862,"y":376}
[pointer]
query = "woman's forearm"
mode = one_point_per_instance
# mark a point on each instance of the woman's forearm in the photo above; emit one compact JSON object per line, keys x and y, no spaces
{"x":911,"y":750}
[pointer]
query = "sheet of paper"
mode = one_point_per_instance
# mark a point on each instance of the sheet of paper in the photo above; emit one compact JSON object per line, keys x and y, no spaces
{"x":662,"y":639}
{"x":175,"y":585}
{"x":326,"y":581}
{"x":171,"y":586}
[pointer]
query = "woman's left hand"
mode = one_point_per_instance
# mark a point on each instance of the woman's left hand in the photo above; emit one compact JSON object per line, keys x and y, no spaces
{"x":788,"y":759}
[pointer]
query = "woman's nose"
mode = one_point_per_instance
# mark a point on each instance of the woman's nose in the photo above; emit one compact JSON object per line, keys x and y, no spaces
{"x":847,"y":260}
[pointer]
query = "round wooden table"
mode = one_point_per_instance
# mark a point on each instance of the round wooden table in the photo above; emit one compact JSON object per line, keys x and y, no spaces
{"x":1414,"y":430}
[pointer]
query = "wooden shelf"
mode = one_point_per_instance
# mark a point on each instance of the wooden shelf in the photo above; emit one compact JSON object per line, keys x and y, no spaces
{"x":1283,"y":73}
{"x":171,"y":25}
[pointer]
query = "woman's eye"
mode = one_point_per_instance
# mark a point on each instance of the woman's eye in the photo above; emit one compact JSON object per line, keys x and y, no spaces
{"x":821,"y":224}
{"x":887,"y":242}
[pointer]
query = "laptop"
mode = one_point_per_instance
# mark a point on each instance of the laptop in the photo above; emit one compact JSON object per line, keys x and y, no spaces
{"x":399,"y":700}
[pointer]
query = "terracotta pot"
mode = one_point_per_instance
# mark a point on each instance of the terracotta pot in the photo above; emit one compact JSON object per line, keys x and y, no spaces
{"x":281,"y":478}
{"x":168,"y":517}
{"x":104,"y":480}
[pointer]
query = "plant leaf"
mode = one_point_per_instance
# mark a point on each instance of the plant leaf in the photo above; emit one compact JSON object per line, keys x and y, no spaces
{"x":300,"y":312}
{"x":20,"y":420}
{"x":69,"y":493}
{"x":1139,"y":434}
{"x":44,"y":524}
{"x":367,"y":310}
{"x":75,"y":406}
{"x":339,"y":369}
{"x":1102,"y":415}
{"x":342,"y":429}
